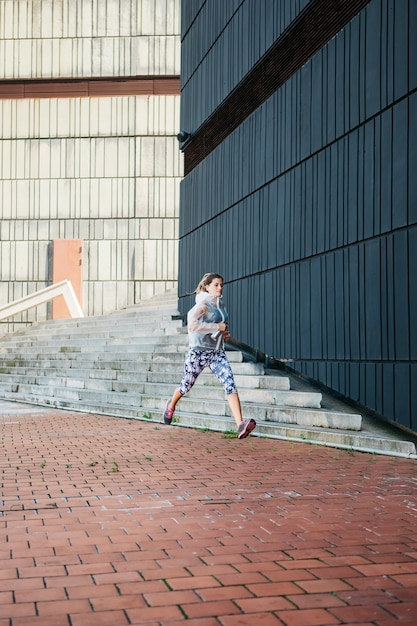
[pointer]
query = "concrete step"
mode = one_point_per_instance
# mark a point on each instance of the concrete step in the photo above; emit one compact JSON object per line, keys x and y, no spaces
{"x":155,"y":315}
{"x":137,"y":371}
{"x":64,"y":335}
{"x":90,"y":344}
{"x":206,"y":391}
{"x":174,"y":334}
{"x":156,"y":362}
{"x":74,"y":396}
{"x":170,"y":375}
{"x":119,"y":352}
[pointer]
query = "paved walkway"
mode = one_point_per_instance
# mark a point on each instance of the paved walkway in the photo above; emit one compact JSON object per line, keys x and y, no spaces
{"x":106,"y":521}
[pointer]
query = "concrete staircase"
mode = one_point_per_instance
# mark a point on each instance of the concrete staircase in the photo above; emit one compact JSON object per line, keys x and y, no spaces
{"x":128,"y":363}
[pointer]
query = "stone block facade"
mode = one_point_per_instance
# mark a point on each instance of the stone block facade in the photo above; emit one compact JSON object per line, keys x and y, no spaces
{"x":102,"y":168}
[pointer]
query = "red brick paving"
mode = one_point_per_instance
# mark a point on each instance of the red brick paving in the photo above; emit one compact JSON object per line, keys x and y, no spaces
{"x":106,"y":521}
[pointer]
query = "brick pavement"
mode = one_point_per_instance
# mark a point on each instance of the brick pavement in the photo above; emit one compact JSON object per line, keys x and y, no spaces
{"x":107,"y":521}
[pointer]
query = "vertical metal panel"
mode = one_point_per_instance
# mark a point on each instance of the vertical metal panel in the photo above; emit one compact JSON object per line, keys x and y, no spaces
{"x":329,"y":80}
{"x":413,"y":393}
{"x":372,"y":293}
{"x":399,"y":165}
{"x":299,"y":212}
{"x":272,"y":230}
{"x":386,"y":170}
{"x":289,"y":299}
{"x":402,"y":392}
{"x":352,"y":188}
{"x":400,"y":65}
{"x":329,"y":317}
{"x":321,"y":202}
{"x":354,"y":378}
{"x":307,"y":185}
{"x":305,"y":113}
{"x":390,"y":288}
{"x":353,"y":71}
{"x":401,"y":291}
{"x":316,"y":102}
{"x":316,"y":312}
{"x":412,"y":159}
{"x":369,"y":182}
{"x":412,"y":42}
{"x":345,"y":331}
{"x":412,"y":265}
{"x":353,"y":289}
{"x":372,"y":69}
{"x":360,"y":198}
{"x":340,"y":84}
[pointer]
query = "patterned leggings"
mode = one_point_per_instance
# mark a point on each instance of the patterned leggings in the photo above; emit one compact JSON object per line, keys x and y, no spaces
{"x":216,"y":360}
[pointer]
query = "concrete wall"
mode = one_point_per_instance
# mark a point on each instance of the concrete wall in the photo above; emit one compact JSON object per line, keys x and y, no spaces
{"x":74,"y":38}
{"x":102,"y":169}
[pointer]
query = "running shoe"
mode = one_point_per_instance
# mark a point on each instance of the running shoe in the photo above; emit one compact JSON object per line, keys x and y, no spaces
{"x":245,"y":428}
{"x":168,"y":413}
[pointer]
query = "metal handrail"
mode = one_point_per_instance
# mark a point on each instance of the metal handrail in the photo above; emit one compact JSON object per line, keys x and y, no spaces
{"x":63,"y":288}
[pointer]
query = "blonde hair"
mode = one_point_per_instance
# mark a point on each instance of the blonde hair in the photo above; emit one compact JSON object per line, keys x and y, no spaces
{"x":206,"y":281}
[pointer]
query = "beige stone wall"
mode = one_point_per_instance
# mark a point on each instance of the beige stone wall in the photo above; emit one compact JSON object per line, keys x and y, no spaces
{"x":105,"y":169}
{"x":85,"y":38}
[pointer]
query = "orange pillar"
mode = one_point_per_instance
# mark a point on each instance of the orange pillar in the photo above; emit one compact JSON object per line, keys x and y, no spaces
{"x":67,"y":258}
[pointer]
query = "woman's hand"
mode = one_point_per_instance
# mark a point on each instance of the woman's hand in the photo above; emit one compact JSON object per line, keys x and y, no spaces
{"x":222,"y":327}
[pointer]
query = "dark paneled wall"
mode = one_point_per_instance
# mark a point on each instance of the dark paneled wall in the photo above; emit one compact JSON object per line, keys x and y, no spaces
{"x":309,"y":208}
{"x":221,"y":41}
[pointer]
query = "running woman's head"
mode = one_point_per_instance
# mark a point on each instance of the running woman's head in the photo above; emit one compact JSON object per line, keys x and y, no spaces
{"x":212,"y":283}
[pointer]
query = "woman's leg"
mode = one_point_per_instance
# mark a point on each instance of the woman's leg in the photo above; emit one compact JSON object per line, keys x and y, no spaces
{"x":232,"y":399}
{"x":220,"y":366}
{"x":193,"y":366}
{"x":234,"y":404}
{"x":173,"y":402}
